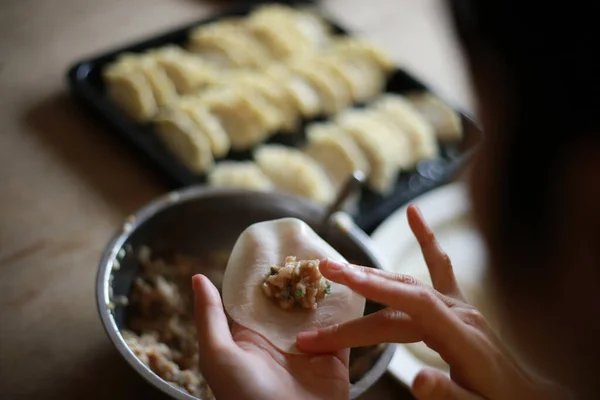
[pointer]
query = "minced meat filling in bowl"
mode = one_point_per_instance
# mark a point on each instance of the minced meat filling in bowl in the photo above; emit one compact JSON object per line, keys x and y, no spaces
{"x":297,"y":283}
{"x":161,"y":331}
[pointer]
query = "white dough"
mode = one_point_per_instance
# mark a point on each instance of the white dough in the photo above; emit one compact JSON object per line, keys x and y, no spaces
{"x":267,"y":243}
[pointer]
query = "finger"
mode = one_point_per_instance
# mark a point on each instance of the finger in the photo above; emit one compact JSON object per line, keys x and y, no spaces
{"x":384,"y":326}
{"x":391,"y":276}
{"x":431,"y":384}
{"x":441,"y":328}
{"x":214,"y":336}
{"x":438,"y":262}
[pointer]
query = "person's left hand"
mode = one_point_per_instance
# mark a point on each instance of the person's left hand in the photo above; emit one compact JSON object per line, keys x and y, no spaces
{"x":241,"y":364}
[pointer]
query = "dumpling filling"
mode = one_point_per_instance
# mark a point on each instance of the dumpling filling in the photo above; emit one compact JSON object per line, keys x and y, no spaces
{"x":297,"y":283}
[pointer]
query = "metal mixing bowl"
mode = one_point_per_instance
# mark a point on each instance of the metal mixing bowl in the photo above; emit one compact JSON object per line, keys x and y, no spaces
{"x":196,"y":220}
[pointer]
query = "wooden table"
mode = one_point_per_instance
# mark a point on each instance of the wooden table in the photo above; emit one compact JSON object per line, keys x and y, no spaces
{"x":66,"y":183}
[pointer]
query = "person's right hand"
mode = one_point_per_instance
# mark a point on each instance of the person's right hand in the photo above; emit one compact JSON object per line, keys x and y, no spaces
{"x":480,"y":365}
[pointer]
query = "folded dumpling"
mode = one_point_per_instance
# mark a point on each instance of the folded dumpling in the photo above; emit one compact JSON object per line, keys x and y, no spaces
{"x":188,"y":72}
{"x":384,"y":151}
{"x":247,"y":118}
{"x":163,"y":89}
{"x":294,"y":172}
{"x":228,"y":45}
{"x":306,"y":26}
{"x":287,"y":32}
{"x":207,"y":123}
{"x":360,"y":49}
{"x":336,"y":152}
{"x":240,"y":174}
{"x":334,"y":95}
{"x":407,"y":118}
{"x":272,"y":92}
{"x":130,"y":89}
{"x":181,"y":136}
{"x":304,"y":96}
{"x":446,"y":121}
{"x":268,"y":244}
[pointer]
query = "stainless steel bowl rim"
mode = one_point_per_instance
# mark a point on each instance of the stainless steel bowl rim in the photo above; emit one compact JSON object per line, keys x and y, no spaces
{"x":132,"y":222}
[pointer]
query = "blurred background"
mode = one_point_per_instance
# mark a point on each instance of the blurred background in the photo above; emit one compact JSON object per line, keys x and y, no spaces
{"x":66,"y":183}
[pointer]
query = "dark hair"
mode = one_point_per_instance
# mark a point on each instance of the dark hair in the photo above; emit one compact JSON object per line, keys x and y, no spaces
{"x":549,"y":54}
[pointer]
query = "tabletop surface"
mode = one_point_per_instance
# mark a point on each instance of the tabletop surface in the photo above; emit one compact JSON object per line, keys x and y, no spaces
{"x":66,"y":183}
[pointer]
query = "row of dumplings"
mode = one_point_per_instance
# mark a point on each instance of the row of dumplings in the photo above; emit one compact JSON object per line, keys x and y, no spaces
{"x":283,"y":43}
{"x":195,"y":106}
{"x":271,"y":32}
{"x":391,"y":135}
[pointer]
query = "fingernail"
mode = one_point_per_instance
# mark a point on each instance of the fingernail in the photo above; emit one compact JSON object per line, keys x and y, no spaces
{"x":423,"y":385}
{"x":197,"y":282}
{"x":308,"y":335}
{"x":334,"y":266}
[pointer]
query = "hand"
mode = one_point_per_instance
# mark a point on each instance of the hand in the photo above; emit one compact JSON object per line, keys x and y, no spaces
{"x":242,"y":365}
{"x":480,"y":365}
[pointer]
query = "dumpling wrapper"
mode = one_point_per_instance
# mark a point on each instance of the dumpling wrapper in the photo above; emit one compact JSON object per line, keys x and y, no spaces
{"x":267,"y":243}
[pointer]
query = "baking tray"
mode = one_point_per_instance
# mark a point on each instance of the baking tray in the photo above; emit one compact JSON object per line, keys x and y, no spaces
{"x":85,"y":84}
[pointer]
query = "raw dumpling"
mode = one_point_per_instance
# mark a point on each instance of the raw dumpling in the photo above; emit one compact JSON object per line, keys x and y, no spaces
{"x":207,"y":123}
{"x":285,"y":31}
{"x":129,"y":88}
{"x":272,"y":92}
{"x":303,"y":94}
{"x":380,"y":146}
{"x":163,"y":89}
{"x":446,"y":121}
{"x":309,"y":27}
{"x":336,"y":152}
{"x":333,"y":94}
{"x":240,"y":174}
{"x":337,"y":68}
{"x":228,"y":45}
{"x":269,"y":243}
{"x":247,"y":118}
{"x":181,"y":136}
{"x":400,"y":111}
{"x":294,"y":172}
{"x":360,"y":49}
{"x":365,"y":79}
{"x":188,"y":72}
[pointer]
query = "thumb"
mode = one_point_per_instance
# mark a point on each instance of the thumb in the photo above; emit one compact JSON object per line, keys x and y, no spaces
{"x":432,"y":384}
{"x":214,"y":336}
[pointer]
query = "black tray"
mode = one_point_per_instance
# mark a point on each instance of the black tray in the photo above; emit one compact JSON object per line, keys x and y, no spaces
{"x":85,"y":83}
